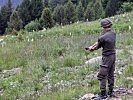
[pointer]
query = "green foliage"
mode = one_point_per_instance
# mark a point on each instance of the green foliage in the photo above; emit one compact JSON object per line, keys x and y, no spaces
{"x":15,"y":22}
{"x":123,"y":55}
{"x":85,"y":3}
{"x":6,"y":12}
{"x":98,"y":9}
{"x":0,"y":23}
{"x":70,"y":12}
{"x":59,"y":15}
{"x":129,"y":71}
{"x":46,"y":3}
{"x":89,"y":13}
{"x":130,"y":41}
{"x":24,"y":11}
{"x":33,"y":26}
{"x":127,"y":6}
{"x":123,"y":79}
{"x":71,"y":61}
{"x":36,"y":9}
{"x":52,"y":61}
{"x":111,"y":8}
{"x":46,"y":19}
{"x":80,"y":11}
{"x":54,"y":3}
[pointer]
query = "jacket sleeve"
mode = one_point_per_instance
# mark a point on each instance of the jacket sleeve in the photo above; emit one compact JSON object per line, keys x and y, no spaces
{"x":100,"y":42}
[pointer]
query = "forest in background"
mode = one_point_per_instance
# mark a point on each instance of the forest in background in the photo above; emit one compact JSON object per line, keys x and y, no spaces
{"x":35,"y":15}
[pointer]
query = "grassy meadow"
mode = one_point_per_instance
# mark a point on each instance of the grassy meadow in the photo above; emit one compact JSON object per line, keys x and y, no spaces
{"x":53,"y":61}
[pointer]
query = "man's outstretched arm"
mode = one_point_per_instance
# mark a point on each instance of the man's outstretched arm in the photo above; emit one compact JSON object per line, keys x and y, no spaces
{"x":93,"y":47}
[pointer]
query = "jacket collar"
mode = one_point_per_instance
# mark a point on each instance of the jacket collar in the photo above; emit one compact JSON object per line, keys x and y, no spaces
{"x":105,"y":31}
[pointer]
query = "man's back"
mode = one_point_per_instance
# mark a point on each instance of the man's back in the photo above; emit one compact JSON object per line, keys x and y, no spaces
{"x":108,"y":44}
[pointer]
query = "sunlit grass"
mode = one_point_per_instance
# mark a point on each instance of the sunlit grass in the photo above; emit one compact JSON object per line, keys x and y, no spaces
{"x":57,"y":55}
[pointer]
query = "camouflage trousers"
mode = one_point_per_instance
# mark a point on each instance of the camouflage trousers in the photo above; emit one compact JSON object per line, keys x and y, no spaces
{"x":106,"y":72}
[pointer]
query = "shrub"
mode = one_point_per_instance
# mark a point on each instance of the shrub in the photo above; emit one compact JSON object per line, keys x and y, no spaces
{"x":127,"y":6}
{"x":32,"y":26}
{"x":71,"y":61}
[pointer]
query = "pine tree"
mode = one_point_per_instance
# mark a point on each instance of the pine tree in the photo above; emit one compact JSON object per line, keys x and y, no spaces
{"x":111,"y":8}
{"x":24,"y":11}
{"x":59,"y":14}
{"x":46,"y":20}
{"x":89,"y":13}
{"x":46,"y":4}
{"x":37,"y":7}
{"x":64,"y":1}
{"x":98,"y":9}
{"x":0,"y":23}
{"x":9,"y":5}
{"x":104,"y":3}
{"x":70,"y":12}
{"x":54,"y":3}
{"x":6,"y":12}
{"x":80,"y":11}
{"x":15,"y":22}
{"x":85,"y":3}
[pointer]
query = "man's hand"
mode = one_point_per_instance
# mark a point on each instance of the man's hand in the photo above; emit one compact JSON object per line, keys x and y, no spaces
{"x":93,"y":47}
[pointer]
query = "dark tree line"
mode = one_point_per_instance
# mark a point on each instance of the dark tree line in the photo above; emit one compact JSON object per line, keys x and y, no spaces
{"x":39,"y":14}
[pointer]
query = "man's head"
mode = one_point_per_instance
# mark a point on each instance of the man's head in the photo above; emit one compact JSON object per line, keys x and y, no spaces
{"x":106,"y":23}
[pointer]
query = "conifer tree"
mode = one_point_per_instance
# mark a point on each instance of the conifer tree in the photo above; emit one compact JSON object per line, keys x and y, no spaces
{"x":6,"y":12}
{"x":80,"y":11}
{"x":89,"y":13}
{"x":111,"y":8}
{"x":54,"y":3}
{"x":104,"y":3}
{"x":85,"y":3}
{"x":46,"y":4}
{"x":46,"y":20}
{"x":70,"y":12}
{"x":15,"y":22}
{"x":0,"y":23}
{"x":98,"y":9}
{"x":37,"y":7}
{"x":59,"y":14}
{"x":24,"y":11}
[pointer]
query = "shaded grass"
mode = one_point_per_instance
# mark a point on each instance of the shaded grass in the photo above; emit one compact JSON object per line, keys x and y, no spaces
{"x":123,"y":81}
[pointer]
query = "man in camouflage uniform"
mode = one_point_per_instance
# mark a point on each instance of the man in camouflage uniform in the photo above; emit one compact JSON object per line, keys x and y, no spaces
{"x":106,"y":72}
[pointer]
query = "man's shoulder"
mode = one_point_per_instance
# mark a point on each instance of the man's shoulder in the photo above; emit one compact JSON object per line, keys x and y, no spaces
{"x":111,"y":32}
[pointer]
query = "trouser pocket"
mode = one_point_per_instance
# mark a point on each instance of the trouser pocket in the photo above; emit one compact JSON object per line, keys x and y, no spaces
{"x":103,"y":71}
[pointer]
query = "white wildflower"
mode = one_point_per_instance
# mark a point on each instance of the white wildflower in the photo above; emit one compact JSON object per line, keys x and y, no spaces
{"x":44,"y":29}
{"x":129,"y":27}
{"x":1,"y":40}
{"x":87,"y":20}
{"x":70,"y":33}
{"x":95,"y":53}
{"x":62,"y":27}
{"x":119,"y":72}
{"x":112,"y":17}
{"x":32,"y":40}
{"x":12,"y":36}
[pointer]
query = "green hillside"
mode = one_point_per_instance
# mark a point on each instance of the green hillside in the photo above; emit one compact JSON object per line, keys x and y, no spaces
{"x":51,"y":63}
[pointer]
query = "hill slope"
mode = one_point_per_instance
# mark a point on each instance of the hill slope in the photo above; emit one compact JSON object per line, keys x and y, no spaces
{"x":50,"y":64}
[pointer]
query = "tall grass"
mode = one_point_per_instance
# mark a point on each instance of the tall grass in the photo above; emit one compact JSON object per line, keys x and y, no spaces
{"x":52,"y":61}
